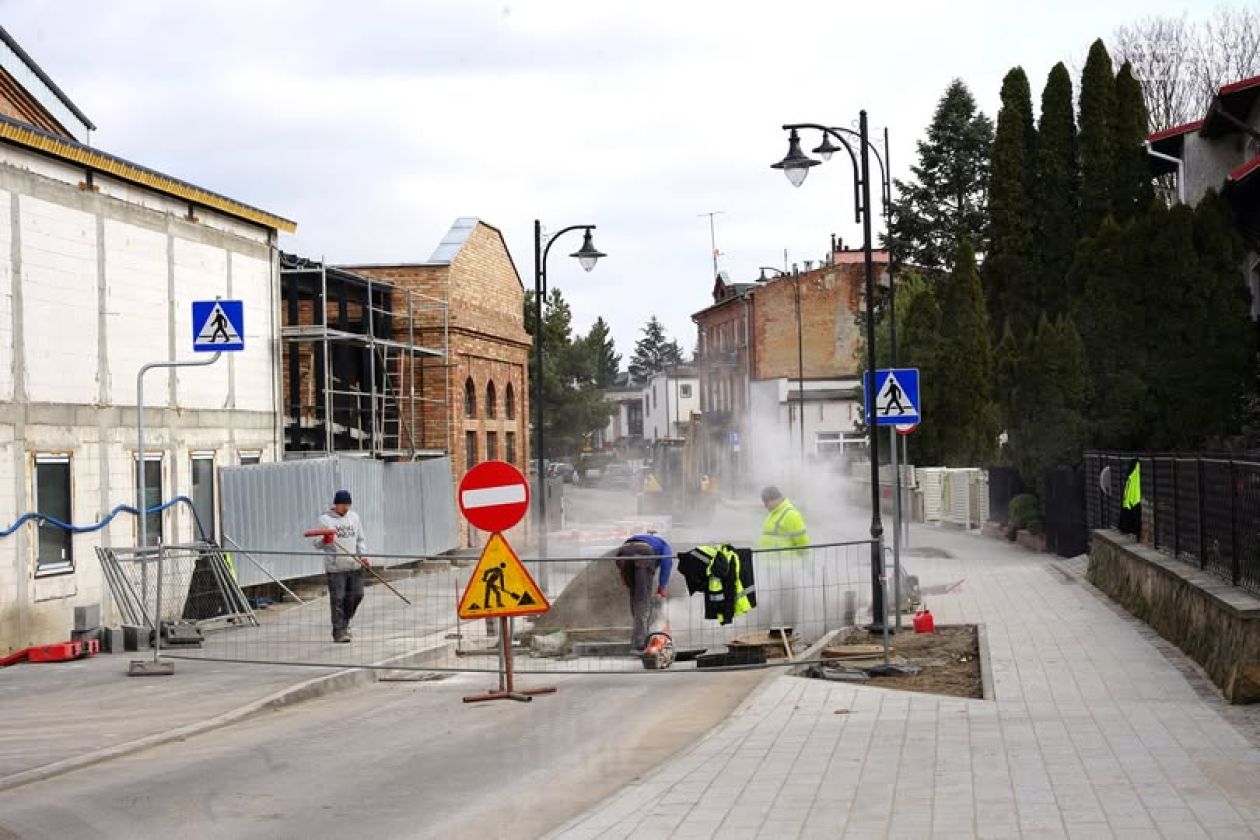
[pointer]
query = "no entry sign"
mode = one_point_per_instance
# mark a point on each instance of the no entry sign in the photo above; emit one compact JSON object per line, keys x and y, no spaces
{"x":493,"y":496}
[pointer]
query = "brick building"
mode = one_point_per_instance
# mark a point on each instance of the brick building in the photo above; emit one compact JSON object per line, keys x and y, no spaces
{"x":750,"y":363}
{"x":100,"y":260}
{"x":485,"y":375}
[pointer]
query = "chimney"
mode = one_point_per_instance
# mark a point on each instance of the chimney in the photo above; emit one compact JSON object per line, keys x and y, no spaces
{"x":809,"y":266}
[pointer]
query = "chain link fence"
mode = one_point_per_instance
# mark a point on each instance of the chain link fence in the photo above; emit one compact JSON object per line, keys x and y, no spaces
{"x":1202,"y":510}
{"x":800,"y":594}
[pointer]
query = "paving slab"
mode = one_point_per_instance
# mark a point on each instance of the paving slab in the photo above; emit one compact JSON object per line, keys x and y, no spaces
{"x":1096,"y":727}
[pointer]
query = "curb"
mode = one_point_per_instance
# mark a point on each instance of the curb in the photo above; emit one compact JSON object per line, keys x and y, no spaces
{"x":311,"y":689}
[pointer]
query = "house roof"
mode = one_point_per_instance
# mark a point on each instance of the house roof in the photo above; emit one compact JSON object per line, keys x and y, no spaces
{"x":452,"y":243}
{"x":1233,"y":100}
{"x":1246,"y":170}
{"x":54,"y":146}
{"x":42,"y":80}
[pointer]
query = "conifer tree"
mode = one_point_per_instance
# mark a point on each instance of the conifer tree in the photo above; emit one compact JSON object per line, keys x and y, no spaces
{"x":967,"y":415}
{"x":1098,"y":159}
{"x":1131,"y":191}
{"x":1010,"y":282}
{"x":1056,"y":207}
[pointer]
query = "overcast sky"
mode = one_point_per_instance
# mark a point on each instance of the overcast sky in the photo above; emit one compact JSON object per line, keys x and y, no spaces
{"x":375,"y":124}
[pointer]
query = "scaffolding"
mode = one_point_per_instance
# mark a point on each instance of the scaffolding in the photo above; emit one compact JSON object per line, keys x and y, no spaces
{"x":359,"y":377}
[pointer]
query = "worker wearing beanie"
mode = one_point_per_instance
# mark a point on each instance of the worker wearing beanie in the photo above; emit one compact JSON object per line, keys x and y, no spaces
{"x":343,"y":562}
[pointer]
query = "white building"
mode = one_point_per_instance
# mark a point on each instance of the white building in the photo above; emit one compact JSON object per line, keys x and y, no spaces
{"x":100,"y":261}
{"x":831,"y":408}
{"x":669,"y":398}
{"x":624,"y":430}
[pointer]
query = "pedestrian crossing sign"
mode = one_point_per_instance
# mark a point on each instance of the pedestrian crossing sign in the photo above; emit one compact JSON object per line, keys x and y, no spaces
{"x":896,"y":400}
{"x":500,"y":585}
{"x":218,"y":325}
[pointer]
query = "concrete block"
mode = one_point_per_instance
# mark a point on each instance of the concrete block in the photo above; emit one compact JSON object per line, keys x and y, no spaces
{"x":89,"y":617}
{"x":112,"y":640}
{"x":136,"y":638}
{"x":92,"y":634}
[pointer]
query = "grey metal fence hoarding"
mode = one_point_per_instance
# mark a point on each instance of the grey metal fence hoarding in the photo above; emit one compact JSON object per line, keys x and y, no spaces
{"x":807,"y":592}
{"x":407,"y":508}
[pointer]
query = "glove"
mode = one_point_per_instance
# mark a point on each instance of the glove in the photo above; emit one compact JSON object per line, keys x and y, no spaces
{"x":663,"y":592}
{"x":367,"y":564}
{"x":328,"y":539}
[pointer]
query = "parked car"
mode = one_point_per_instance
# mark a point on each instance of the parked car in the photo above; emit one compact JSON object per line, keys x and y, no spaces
{"x":617,"y":475}
{"x":565,"y":472}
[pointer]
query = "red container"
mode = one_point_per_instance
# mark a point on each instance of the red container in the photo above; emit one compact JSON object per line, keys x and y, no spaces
{"x":923,"y":622}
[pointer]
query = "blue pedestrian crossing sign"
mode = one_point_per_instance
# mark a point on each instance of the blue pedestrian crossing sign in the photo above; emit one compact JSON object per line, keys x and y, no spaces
{"x":896,"y":397}
{"x":218,"y":325}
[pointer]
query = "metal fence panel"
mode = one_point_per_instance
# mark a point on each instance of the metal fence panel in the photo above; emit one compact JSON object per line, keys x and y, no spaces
{"x":1203,"y":510}
{"x":266,"y":507}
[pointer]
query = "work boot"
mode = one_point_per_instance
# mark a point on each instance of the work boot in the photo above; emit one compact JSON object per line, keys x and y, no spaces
{"x":341,"y":636}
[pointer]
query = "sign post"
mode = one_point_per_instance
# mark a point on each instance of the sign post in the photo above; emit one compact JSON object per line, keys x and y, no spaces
{"x":218,"y":326}
{"x":494,"y":496}
{"x":896,"y":404}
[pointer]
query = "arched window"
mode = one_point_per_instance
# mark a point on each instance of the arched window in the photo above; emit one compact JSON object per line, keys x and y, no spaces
{"x":470,"y":399}
{"x":492,"y":402}
{"x":509,"y":403}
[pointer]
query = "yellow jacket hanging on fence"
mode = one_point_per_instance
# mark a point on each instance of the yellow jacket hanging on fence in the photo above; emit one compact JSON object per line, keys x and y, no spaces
{"x":727,"y":579}
{"x":784,"y":528}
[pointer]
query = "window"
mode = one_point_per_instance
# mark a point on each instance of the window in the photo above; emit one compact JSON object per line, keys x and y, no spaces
{"x":470,"y":450}
{"x":509,"y":402}
{"x":203,"y":493}
{"x":249,"y":458}
{"x":509,"y":443}
{"x":492,"y":402}
{"x":684,"y":392}
{"x":492,"y":446}
{"x":470,"y":399}
{"x":653,"y":397}
{"x":53,"y":498}
{"x":152,"y":466}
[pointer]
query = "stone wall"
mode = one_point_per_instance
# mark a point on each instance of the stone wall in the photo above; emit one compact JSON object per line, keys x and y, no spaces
{"x":1216,"y":624}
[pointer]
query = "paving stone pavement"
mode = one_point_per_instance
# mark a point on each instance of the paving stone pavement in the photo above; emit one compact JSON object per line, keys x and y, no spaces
{"x":1098,"y":729}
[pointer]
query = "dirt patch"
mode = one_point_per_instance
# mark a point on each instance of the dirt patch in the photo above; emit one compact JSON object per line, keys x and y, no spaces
{"x":948,"y":660}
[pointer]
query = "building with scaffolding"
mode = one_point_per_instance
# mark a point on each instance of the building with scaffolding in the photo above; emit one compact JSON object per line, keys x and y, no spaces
{"x":364,"y":368}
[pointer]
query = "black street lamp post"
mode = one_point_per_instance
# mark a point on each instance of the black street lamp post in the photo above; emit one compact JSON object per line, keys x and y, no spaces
{"x":587,"y":256}
{"x":800,"y":348}
{"x":796,"y":166}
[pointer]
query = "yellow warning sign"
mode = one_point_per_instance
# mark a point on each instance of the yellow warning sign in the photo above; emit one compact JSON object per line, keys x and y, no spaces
{"x":500,"y":585}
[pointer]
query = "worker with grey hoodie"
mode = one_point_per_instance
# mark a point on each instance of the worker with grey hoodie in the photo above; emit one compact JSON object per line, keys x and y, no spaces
{"x":343,"y":551}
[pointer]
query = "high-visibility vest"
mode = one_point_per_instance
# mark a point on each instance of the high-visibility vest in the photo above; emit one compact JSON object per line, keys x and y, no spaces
{"x":725,"y":597}
{"x":1133,"y":488}
{"x":784,"y":528}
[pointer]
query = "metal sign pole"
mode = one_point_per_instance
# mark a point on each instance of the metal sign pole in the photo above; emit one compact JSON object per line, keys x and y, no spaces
{"x":896,"y":488}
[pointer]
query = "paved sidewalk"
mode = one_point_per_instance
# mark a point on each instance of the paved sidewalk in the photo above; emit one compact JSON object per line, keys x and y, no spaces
{"x":1098,"y":729}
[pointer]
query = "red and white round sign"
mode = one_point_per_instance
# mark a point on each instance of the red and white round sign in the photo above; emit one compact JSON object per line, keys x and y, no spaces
{"x":906,"y":428}
{"x":493,"y":496}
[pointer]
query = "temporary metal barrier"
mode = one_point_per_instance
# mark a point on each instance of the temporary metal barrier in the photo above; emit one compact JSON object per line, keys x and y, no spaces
{"x":407,"y":508}
{"x":175,"y":583}
{"x":801,"y":593}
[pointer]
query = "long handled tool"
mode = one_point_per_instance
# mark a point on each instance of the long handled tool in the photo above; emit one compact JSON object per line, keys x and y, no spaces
{"x":324,"y":532}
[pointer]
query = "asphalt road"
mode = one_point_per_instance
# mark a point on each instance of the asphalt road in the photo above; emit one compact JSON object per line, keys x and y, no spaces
{"x":394,"y":759}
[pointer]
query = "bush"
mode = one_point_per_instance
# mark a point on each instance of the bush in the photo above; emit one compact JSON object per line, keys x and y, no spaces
{"x":1025,"y":513}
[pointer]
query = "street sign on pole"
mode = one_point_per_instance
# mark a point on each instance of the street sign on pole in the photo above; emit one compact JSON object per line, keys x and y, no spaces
{"x":218,"y":325}
{"x":895,"y":397}
{"x":906,"y":428}
{"x":493,"y":496}
{"x":500,"y":586}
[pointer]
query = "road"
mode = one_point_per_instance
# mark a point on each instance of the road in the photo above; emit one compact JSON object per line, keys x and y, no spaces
{"x":393,"y":759}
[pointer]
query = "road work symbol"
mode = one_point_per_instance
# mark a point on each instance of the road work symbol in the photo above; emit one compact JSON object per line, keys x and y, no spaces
{"x":500,"y":585}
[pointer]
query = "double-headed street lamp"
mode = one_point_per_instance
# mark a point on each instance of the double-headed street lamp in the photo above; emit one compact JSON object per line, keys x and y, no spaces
{"x":796,"y":165}
{"x":800,"y":350}
{"x":586,"y":256}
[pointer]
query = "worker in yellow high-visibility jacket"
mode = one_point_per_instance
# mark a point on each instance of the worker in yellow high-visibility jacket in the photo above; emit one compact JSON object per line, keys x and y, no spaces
{"x":784,"y":526}
{"x":786,"y":572}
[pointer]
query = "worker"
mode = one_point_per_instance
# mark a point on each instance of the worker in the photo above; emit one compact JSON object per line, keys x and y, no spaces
{"x":645,"y":562}
{"x":784,"y":526}
{"x":1131,"y":505}
{"x":343,"y":562}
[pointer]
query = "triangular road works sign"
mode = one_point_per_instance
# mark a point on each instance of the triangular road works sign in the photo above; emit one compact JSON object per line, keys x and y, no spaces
{"x":501,"y":585}
{"x":893,"y":400}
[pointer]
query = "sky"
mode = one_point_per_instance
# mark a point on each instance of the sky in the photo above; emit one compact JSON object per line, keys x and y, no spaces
{"x":375,"y":124}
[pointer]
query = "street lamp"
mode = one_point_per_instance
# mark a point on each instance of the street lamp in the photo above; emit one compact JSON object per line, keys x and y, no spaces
{"x":800,"y":350}
{"x":586,"y":256}
{"x":796,"y":166}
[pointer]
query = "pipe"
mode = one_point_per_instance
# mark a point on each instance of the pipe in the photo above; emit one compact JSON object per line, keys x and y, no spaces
{"x":1181,"y":168}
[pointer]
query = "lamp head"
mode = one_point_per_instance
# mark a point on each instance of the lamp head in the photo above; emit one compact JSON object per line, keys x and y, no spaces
{"x":588,"y":254}
{"x":795,"y":163}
